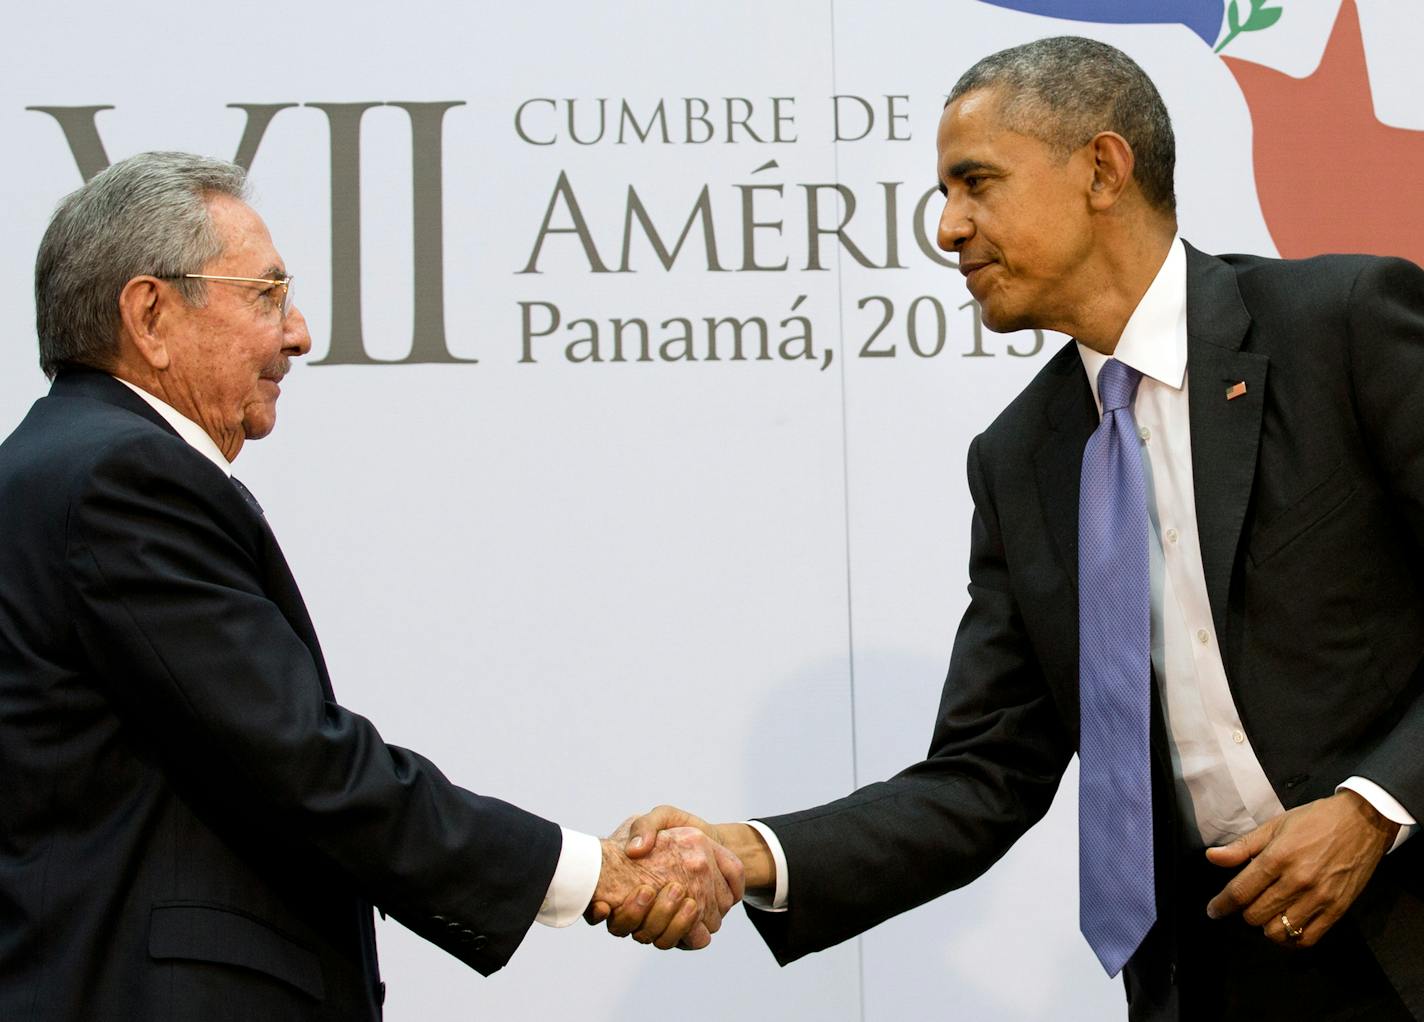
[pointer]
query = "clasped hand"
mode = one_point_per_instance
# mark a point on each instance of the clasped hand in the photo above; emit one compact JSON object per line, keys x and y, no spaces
{"x":1306,"y":866}
{"x":671,"y":891}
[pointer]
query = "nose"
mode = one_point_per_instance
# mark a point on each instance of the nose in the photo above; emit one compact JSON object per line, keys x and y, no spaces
{"x":296,"y":339}
{"x":955,"y":227}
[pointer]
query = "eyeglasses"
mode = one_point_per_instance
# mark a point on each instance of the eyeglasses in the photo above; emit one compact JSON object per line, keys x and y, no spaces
{"x":278,"y":290}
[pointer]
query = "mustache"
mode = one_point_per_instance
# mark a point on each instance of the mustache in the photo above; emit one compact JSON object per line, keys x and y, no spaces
{"x":277,"y":369}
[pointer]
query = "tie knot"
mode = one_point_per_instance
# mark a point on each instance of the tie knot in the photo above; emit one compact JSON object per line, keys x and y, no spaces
{"x":1117,"y":385}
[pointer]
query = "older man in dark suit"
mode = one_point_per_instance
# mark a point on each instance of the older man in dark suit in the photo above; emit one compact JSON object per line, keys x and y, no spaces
{"x":192,"y":827}
{"x":1197,"y":561}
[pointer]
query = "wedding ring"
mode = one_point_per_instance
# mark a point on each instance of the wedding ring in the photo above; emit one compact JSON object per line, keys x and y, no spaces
{"x":1292,"y":932}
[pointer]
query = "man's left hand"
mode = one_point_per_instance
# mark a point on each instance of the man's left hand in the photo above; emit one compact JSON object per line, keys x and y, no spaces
{"x":1307,"y":865}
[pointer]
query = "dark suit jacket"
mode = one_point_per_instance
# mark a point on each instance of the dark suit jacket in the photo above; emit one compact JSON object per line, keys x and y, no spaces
{"x":191,"y":826}
{"x":1310,"y":505}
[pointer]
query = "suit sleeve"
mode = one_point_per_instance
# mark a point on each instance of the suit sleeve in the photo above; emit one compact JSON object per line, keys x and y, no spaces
{"x":1386,"y":324}
{"x":997,"y":754}
{"x":166,"y":592}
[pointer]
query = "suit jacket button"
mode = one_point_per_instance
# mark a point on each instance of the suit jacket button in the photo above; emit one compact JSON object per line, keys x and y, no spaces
{"x":438,"y":919}
{"x":478,"y":942}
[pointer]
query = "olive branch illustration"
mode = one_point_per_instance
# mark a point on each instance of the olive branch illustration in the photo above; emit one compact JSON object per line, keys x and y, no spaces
{"x":1260,"y":17}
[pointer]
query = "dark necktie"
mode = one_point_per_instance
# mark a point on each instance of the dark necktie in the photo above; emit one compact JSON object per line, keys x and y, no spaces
{"x":1115,"y":882}
{"x":247,"y":495}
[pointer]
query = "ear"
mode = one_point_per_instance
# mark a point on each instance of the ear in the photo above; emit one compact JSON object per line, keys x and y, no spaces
{"x":1112,"y":169}
{"x":143,"y":304}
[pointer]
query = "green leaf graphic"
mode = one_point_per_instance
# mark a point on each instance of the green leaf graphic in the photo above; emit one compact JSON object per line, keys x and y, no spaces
{"x":1260,"y":17}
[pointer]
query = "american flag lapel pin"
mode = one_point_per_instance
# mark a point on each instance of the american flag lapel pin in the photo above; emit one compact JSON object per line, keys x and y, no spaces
{"x":1235,"y":390}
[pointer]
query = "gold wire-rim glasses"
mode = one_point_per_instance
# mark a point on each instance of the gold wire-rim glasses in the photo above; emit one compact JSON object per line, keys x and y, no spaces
{"x":285,"y":283}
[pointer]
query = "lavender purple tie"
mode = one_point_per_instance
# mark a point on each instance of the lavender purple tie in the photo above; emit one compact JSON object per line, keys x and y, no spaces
{"x":1115,"y":887}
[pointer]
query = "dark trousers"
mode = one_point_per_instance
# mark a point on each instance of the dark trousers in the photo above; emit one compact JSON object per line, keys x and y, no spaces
{"x":1194,"y":969}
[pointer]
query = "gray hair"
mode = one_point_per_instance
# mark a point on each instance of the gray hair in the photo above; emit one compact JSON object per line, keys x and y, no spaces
{"x":1066,"y":89}
{"x":147,"y":214}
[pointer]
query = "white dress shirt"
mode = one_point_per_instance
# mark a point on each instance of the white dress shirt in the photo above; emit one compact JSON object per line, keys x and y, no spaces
{"x":195,"y":436}
{"x":1222,"y":790}
{"x":580,"y":857}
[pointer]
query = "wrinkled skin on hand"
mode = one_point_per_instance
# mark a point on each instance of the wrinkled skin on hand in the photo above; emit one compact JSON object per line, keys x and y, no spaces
{"x":674,"y":894}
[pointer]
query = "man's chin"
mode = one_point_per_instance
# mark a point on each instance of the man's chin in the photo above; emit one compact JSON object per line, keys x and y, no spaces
{"x":258,"y":422}
{"x":1003,"y":317}
{"x":998,"y":319}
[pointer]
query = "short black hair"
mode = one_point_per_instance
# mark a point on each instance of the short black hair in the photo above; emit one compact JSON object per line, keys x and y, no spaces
{"x":1065,"y":89}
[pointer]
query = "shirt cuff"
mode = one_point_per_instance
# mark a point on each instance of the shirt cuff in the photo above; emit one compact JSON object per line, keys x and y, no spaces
{"x":1386,"y":805}
{"x":778,"y":856}
{"x":575,"y":879}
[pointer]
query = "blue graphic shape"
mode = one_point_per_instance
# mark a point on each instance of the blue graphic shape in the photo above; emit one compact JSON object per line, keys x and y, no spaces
{"x":1201,"y":16}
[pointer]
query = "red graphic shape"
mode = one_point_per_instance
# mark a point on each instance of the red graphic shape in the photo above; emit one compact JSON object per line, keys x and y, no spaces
{"x":1330,"y":177}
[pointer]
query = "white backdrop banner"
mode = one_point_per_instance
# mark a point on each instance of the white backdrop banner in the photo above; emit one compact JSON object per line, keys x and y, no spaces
{"x":627,"y":465}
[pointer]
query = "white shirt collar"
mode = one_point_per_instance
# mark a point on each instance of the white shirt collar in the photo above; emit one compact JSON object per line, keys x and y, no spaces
{"x":196,"y":437}
{"x":1154,"y":342}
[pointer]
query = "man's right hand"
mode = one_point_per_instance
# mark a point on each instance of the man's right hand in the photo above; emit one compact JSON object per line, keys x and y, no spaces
{"x":641,"y":835}
{"x":672,"y":893}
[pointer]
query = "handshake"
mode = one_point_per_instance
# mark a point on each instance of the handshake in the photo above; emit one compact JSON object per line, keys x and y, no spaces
{"x":669,"y":877}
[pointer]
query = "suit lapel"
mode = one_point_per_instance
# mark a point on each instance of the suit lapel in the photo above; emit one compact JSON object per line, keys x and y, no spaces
{"x":1226,"y":434}
{"x":281,"y":587}
{"x":90,"y":383}
{"x":1072,"y":417}
{"x":277,"y":581}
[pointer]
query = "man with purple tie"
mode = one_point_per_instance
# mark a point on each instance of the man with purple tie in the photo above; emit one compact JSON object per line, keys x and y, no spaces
{"x":1197,"y":561}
